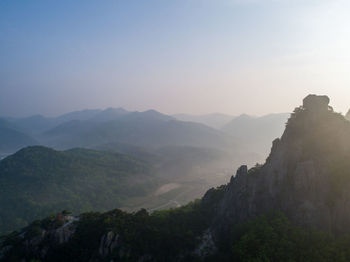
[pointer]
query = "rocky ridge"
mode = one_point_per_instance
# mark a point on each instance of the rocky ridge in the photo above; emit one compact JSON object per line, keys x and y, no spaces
{"x":305,"y":175}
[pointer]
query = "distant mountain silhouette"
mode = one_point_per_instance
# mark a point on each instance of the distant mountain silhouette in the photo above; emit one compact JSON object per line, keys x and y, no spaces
{"x":11,"y":139}
{"x":97,"y":115}
{"x":257,"y":132}
{"x":38,"y":124}
{"x":108,"y":114}
{"x":251,"y":136}
{"x":33,"y":125}
{"x":77,"y":115}
{"x":215,"y":120}
{"x":146,"y":129}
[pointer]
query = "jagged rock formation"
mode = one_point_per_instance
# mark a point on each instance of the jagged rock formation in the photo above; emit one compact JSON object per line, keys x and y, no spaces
{"x":305,"y":175}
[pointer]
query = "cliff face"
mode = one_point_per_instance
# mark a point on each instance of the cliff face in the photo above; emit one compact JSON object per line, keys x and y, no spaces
{"x":306,"y":175}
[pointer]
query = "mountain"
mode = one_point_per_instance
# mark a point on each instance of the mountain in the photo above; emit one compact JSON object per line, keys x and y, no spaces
{"x":306,"y":174}
{"x":249,"y":132}
{"x":37,"y":124}
{"x":33,"y":125}
{"x":11,"y":139}
{"x":151,"y":129}
{"x":347,"y":116}
{"x":215,"y":120}
{"x":37,"y":180}
{"x":85,"y":114}
{"x":294,"y":207}
{"x":257,"y":132}
{"x":108,"y":114}
{"x":29,"y":130}
{"x":94,"y":115}
{"x":145,"y":129}
{"x":81,"y":179}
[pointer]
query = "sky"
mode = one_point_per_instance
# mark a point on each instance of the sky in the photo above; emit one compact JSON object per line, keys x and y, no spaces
{"x":174,"y":56}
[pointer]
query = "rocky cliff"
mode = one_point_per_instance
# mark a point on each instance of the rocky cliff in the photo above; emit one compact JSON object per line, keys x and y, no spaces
{"x":306,"y":175}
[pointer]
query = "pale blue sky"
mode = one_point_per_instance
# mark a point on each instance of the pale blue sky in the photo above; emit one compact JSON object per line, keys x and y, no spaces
{"x":191,"y":56}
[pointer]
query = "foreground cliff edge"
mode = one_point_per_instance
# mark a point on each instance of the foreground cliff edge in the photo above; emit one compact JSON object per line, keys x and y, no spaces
{"x":295,"y":207}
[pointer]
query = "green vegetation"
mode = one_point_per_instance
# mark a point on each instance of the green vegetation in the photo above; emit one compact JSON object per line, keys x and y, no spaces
{"x":272,"y":237}
{"x":170,"y":234}
{"x":37,"y":181}
{"x":162,"y":234}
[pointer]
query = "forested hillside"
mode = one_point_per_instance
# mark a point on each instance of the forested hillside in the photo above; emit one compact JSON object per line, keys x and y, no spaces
{"x":37,"y":181}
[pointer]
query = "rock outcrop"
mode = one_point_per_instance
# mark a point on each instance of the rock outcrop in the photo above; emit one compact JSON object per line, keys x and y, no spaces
{"x":314,"y":103}
{"x":109,"y":242}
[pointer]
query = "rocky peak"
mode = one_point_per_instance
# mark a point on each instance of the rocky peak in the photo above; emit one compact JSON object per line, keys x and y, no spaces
{"x":242,"y":171}
{"x":316,"y":103}
{"x":306,"y":175}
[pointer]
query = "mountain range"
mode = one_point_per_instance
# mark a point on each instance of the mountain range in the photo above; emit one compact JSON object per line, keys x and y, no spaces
{"x":294,"y":207}
{"x":257,"y":132}
{"x":186,"y":158}
{"x":12,"y":139}
{"x":215,"y":120}
{"x":146,"y":129}
{"x":91,"y":128}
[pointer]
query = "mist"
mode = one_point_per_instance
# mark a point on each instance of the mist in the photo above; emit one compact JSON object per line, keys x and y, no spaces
{"x":193,"y":57}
